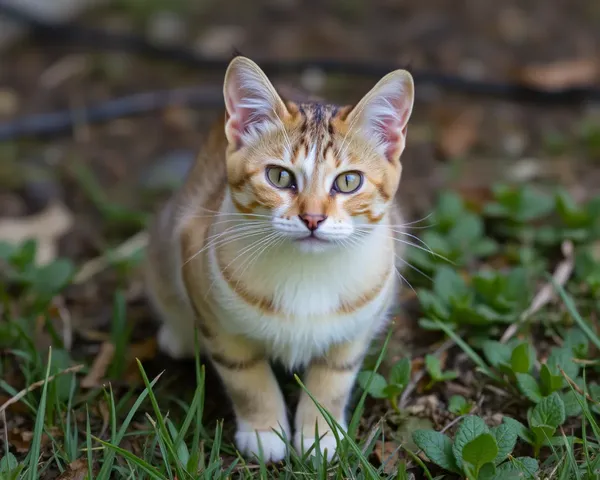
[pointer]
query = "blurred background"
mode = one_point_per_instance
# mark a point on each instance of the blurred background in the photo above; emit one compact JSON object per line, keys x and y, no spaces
{"x":81,"y":174}
{"x":459,"y":140}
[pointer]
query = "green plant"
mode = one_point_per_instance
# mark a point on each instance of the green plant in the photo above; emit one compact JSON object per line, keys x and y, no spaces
{"x":459,"y":405}
{"x":434,"y":369}
{"x":517,"y":362}
{"x":457,"y":235}
{"x":492,"y":298}
{"x":390,"y":389}
{"x":477,"y":451}
{"x":543,"y":420}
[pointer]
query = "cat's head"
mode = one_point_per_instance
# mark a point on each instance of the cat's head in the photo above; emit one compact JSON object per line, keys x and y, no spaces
{"x":320,"y":174}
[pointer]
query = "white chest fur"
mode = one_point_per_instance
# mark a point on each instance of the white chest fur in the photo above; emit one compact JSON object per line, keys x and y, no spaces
{"x":308,"y":292}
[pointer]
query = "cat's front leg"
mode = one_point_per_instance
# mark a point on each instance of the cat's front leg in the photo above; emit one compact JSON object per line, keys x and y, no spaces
{"x":257,"y":400}
{"x":329,"y":379}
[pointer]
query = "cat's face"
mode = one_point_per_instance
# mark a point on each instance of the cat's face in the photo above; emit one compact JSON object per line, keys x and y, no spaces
{"x":319,"y":175}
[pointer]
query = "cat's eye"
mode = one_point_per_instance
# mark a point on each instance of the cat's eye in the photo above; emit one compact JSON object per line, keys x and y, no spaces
{"x":348,"y":182}
{"x":280,"y":177}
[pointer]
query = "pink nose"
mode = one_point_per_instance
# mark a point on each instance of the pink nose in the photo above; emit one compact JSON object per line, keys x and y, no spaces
{"x":312,"y":220}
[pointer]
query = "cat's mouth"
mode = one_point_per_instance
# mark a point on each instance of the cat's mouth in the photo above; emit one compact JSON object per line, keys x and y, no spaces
{"x":311,"y":239}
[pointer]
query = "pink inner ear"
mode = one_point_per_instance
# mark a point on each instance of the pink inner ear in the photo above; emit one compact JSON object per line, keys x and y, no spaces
{"x":244,"y":112}
{"x":393,"y":129}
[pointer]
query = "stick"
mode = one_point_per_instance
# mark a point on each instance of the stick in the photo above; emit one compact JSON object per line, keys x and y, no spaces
{"x":36,"y":385}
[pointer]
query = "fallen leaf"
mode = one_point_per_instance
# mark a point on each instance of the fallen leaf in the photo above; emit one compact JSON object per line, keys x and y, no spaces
{"x":561,"y":74}
{"x":76,"y":470}
{"x":460,"y":134}
{"x":45,"y":227}
{"x":144,"y":350}
{"x":387,"y":455}
{"x":100,"y":366}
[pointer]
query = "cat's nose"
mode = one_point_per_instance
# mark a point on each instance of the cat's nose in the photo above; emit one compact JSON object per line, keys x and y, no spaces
{"x":312,"y":220}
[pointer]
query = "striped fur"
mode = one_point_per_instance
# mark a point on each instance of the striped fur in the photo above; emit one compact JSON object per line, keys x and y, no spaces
{"x":231,"y":254}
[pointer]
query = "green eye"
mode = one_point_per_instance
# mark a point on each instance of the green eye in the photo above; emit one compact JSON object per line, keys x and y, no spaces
{"x":281,"y":178}
{"x":348,"y":182}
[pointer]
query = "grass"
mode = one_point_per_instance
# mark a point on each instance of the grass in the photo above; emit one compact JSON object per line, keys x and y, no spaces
{"x":527,"y":407}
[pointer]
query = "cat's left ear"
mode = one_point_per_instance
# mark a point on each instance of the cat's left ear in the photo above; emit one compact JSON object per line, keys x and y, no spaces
{"x":251,"y":102}
{"x":383,"y":113}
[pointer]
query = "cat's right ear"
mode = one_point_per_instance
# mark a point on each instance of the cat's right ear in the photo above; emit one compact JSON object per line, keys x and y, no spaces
{"x":251,"y":102}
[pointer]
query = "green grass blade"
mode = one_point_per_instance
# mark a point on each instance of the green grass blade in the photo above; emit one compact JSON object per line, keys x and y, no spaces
{"x":353,"y":426}
{"x":468,"y":350}
{"x":109,"y":458}
{"x":570,"y":305}
{"x":162,"y":428}
{"x":36,"y":444}
{"x":146,"y":467}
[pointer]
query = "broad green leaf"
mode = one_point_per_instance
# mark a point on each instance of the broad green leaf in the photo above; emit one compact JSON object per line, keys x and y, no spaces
{"x":549,"y":411}
{"x":519,"y":359}
{"x":437,"y":447}
{"x":550,"y":382}
{"x":529,"y":387}
{"x":449,"y":207}
{"x":522,"y":432}
{"x":577,"y":341}
{"x":520,"y":467}
{"x":466,"y":230}
{"x":572,"y":405}
{"x":542,"y":433}
{"x":506,"y":438}
{"x":481,"y":450}
{"x":52,"y":278}
{"x":433,"y":305}
{"x":449,"y":375}
{"x":392,"y":390}
{"x":400,"y":374}
{"x":8,"y":463}
{"x":458,"y":405}
{"x":497,"y":353}
{"x":487,"y":472}
{"x":7,"y":250}
{"x":470,"y":428}
{"x":563,"y":358}
{"x":377,"y":386}
{"x":448,"y":285}
{"x":434,"y":369}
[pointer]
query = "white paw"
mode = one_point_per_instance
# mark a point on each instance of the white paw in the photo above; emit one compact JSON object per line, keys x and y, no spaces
{"x":327,"y":444}
{"x":173,"y":345}
{"x":273,"y":447}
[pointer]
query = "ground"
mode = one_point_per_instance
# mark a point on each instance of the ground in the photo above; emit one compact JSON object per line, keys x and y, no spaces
{"x":87,"y":194}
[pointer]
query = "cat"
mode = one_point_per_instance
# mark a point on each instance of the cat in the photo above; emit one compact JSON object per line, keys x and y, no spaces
{"x":280,"y":247}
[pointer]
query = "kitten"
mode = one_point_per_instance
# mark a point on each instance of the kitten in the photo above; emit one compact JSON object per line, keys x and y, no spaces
{"x":280,"y":246}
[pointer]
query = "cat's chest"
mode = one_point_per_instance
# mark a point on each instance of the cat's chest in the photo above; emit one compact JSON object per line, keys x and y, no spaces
{"x":298,"y":315}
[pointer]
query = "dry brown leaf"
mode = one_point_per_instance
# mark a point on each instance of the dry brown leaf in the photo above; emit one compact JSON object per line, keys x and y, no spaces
{"x":459,"y":135}
{"x":76,"y":470}
{"x":100,"y":366}
{"x":561,"y":74}
{"x":20,"y":440}
{"x":144,"y":350}
{"x":387,"y":455}
{"x":45,"y":227}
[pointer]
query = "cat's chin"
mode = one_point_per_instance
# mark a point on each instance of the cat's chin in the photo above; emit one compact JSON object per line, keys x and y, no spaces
{"x":313,"y":244}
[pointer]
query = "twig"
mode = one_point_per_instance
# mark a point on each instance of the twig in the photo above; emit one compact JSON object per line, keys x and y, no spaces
{"x":36,"y":385}
{"x":64,"y":121}
{"x":576,"y":387}
{"x":546,"y":293}
{"x":449,"y":343}
{"x":96,"y":265}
